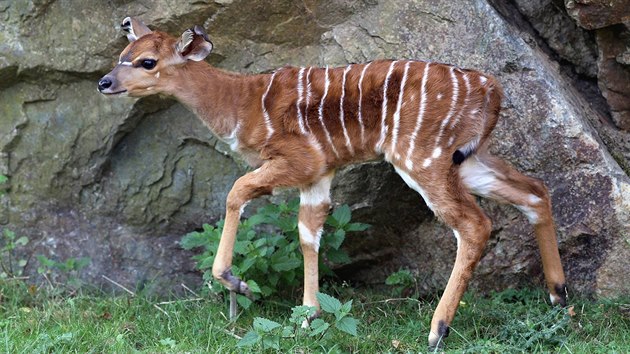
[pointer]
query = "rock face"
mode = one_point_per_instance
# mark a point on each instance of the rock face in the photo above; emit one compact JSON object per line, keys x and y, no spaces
{"x":120,"y":181}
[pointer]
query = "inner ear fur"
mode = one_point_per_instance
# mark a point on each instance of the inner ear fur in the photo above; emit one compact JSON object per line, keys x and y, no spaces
{"x":194,"y":44}
{"x":134,"y":28}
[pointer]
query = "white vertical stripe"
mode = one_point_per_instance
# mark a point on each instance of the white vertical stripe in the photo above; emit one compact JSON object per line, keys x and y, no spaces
{"x":381,"y":140}
{"x":264,"y":108}
{"x":321,"y":114}
{"x":360,"y":105}
{"x":308,"y":96}
{"x":421,"y":109}
{"x":341,"y":116}
{"x":300,"y":90}
{"x":463,"y":109}
{"x":398,"y":108}
{"x":454,"y":97}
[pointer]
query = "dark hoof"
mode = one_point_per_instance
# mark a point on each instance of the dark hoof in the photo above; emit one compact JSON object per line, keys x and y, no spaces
{"x":235,"y":284}
{"x":560,"y":298}
{"x":436,"y":340}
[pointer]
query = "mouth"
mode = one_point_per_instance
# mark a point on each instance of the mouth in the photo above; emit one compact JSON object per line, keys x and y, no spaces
{"x":114,"y":93}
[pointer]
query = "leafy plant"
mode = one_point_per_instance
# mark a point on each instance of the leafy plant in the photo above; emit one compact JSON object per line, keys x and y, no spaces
{"x":11,"y":265}
{"x":3,"y":180}
{"x":267,"y":247}
{"x":69,"y":268}
{"x":402,"y":281}
{"x":269,"y":334}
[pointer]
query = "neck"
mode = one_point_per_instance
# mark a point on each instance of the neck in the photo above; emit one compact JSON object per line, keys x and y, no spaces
{"x":215,"y":96}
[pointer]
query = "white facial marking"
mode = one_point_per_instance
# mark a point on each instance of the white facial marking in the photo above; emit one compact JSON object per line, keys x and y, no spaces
{"x":341,"y":114}
{"x":264,"y":108}
{"x":360,"y":115}
{"x":398,"y":108}
{"x":384,"y":127}
{"x":157,"y":75}
{"x":414,"y":185}
{"x":321,"y":114}
{"x":300,"y":90}
{"x":309,"y":237}
{"x":421,"y":109}
{"x":125,"y":63}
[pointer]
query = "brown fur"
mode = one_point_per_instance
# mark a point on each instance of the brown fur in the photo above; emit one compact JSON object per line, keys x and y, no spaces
{"x":232,"y":106}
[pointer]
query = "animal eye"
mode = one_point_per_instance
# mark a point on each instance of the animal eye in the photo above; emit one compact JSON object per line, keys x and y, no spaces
{"x":148,"y":63}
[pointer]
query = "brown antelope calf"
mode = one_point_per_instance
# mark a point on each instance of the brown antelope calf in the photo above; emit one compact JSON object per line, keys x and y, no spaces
{"x":296,"y":126}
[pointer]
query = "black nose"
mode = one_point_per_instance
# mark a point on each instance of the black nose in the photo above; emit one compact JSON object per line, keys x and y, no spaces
{"x":104,"y":83}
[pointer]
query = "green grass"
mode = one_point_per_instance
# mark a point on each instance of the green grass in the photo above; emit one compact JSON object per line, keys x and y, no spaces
{"x":512,"y":321}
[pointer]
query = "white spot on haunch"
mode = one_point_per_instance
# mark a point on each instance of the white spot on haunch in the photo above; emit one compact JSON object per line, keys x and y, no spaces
{"x":483,"y":79}
{"x":426,"y":163}
{"x":439,"y":96}
{"x":436,"y":153}
{"x":414,"y":185}
{"x":479,"y":178}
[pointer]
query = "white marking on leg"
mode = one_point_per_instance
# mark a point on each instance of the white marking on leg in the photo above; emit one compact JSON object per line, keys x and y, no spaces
{"x":317,"y":193}
{"x":242,"y":209}
{"x":398,"y":108}
{"x":360,"y":115}
{"x":414,"y":185}
{"x":530,"y":213}
{"x":309,"y":237}
{"x":300,"y":90}
{"x":264,"y":108}
{"x":479,"y":178}
{"x":341,"y":115}
{"x":421,"y":109}
{"x":457,"y":237}
{"x":384,"y":128}
{"x":533,"y":199}
{"x":321,"y":114}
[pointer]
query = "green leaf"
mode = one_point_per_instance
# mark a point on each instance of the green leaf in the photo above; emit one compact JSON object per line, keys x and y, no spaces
{"x":3,"y":179}
{"x":318,"y":326}
{"x":193,"y":240}
{"x":337,"y":256}
{"x":342,"y":215}
{"x":10,"y":235}
{"x":287,"y":332}
{"x":272,"y":342}
{"x":243,"y":301}
{"x":285,"y":263}
{"x":348,"y":325}
{"x":264,"y":325}
{"x":336,"y":239}
{"x":22,"y":241}
{"x":249,"y":339}
{"x":345,"y":308}
{"x":328,"y":303}
{"x":253,"y":286}
{"x":357,"y":226}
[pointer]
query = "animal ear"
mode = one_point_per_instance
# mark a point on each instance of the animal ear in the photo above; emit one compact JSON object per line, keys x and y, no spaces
{"x":134,"y":28}
{"x":194,"y":44}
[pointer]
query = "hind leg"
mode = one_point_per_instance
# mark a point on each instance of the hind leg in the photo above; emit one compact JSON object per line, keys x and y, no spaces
{"x":491,"y":177}
{"x":454,"y":205}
